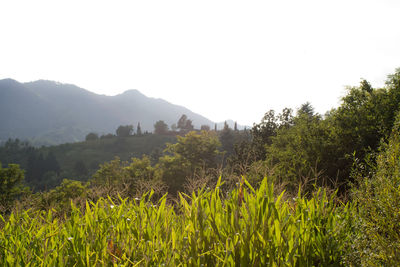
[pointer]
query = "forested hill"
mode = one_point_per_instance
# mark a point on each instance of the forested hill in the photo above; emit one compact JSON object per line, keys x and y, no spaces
{"x":47,"y":112}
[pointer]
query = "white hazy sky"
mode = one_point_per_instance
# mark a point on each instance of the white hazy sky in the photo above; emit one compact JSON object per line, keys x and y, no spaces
{"x":222,"y":59}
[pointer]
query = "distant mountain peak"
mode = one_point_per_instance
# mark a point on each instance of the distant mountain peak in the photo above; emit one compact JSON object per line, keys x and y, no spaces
{"x":48,"y":110}
{"x":9,"y":81}
{"x":133,"y":92}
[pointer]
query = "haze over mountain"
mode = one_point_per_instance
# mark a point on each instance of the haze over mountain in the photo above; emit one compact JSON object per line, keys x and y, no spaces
{"x":48,"y":112}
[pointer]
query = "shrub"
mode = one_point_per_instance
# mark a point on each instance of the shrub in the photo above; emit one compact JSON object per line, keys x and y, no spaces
{"x":376,"y":240}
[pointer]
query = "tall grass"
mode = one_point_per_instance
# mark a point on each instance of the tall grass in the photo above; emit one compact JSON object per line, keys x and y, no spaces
{"x":244,"y":227}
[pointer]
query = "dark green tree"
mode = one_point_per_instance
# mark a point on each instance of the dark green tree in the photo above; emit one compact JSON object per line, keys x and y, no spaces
{"x":80,"y":168}
{"x":189,"y":125}
{"x":182,"y":122}
{"x":92,"y":137}
{"x":139,"y":130}
{"x":51,"y":163}
{"x":262,"y":134}
{"x":304,"y":151}
{"x":205,"y":127}
{"x":227,"y":139}
{"x":124,"y":131}
{"x":11,"y":185}
{"x":107,"y":136}
{"x":160,"y":127}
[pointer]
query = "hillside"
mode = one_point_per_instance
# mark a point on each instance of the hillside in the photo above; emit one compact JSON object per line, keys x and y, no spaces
{"x":47,"y":112}
{"x":46,"y":167}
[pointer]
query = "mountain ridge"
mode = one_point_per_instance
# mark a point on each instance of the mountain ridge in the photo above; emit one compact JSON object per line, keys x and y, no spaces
{"x":48,"y":112}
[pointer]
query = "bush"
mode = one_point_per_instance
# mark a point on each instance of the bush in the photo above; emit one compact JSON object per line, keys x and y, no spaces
{"x":377,"y":226}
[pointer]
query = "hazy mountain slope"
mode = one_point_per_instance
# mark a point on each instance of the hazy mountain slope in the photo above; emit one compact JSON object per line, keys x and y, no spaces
{"x":22,"y":111}
{"x":51,"y":113}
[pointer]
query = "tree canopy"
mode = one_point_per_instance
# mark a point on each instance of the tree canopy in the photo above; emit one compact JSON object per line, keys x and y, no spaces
{"x":160,"y":127}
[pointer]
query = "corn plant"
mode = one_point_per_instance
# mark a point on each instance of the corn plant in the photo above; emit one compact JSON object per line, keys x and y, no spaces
{"x":244,"y":227}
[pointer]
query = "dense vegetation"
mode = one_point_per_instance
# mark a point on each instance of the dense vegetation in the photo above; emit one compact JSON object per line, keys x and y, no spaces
{"x":248,"y":227}
{"x":46,"y":167}
{"x":335,"y":199}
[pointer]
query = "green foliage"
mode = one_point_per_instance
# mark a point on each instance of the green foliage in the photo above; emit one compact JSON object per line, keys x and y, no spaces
{"x":92,"y":137}
{"x":16,"y":152}
{"x":11,"y":185}
{"x":365,"y":116}
{"x":263,"y":133}
{"x":205,"y":128}
{"x":160,"y":127}
{"x":46,"y":167}
{"x":364,"y":119}
{"x":227,"y":139}
{"x":37,"y":163}
{"x":184,"y":124}
{"x":80,"y":168}
{"x":110,"y":173}
{"x":376,"y":238}
{"x":121,"y":178}
{"x":303,"y":151}
{"x":124,"y":131}
{"x":141,"y":168}
{"x":248,"y":228}
{"x":191,"y":153}
{"x":321,"y":150}
{"x":59,"y":199}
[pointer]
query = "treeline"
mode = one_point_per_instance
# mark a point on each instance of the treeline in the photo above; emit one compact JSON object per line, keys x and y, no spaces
{"x":182,"y":127}
{"x":46,"y":167}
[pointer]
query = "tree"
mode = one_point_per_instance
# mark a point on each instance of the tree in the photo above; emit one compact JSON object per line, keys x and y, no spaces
{"x":51,"y":163}
{"x":160,"y":127}
{"x":80,"y":168}
{"x":193,"y":152}
{"x":184,"y":124}
{"x":140,"y":169}
{"x":118,"y":177}
{"x":376,"y":239}
{"x":364,"y":120}
{"x":263,"y":132}
{"x":205,"y":128}
{"x":11,"y":185}
{"x":59,"y":198}
{"x":306,"y":109}
{"x":189,"y":125}
{"x":110,"y":174}
{"x":227,"y":139}
{"x":92,"y":137}
{"x":304,"y":151}
{"x":138,"y":129}
{"x":286,"y":118}
{"x":107,"y":136}
{"x":124,"y":131}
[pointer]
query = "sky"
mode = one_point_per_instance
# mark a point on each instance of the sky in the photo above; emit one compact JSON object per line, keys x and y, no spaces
{"x":222,"y":59}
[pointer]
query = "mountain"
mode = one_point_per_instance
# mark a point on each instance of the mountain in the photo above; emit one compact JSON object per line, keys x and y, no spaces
{"x":48,"y":112}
